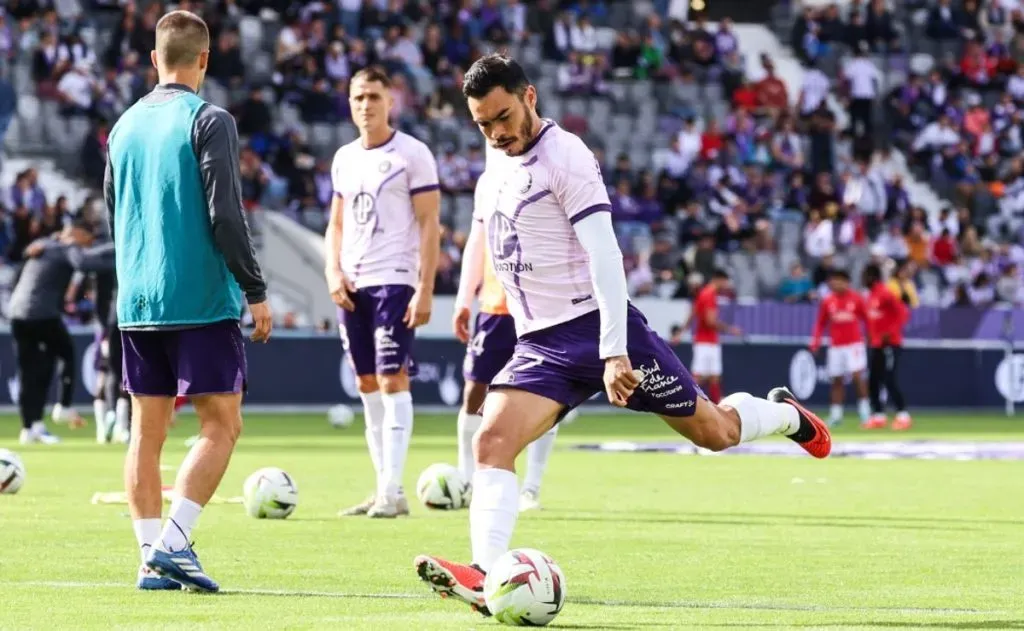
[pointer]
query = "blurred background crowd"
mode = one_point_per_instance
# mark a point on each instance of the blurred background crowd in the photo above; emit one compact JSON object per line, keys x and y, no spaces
{"x":710,"y":158}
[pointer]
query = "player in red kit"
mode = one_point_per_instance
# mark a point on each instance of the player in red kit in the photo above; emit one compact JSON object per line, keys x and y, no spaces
{"x":707,"y":348}
{"x":844,"y":314}
{"x":886,"y":316}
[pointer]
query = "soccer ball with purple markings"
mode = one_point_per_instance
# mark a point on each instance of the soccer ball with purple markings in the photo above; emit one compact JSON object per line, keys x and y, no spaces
{"x":12,"y":472}
{"x":442,"y":487}
{"x":525,"y":588}
{"x":270,"y":493}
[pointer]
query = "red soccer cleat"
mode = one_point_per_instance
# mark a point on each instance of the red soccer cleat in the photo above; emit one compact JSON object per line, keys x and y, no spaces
{"x":877,"y":421}
{"x":179,"y":402}
{"x":813,"y":434}
{"x":464,"y":582}
{"x":902,"y":422}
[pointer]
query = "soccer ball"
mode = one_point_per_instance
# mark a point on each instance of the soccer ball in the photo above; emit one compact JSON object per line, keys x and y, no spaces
{"x":12,"y":472}
{"x":340,"y":416}
{"x":441,"y":486}
{"x":270,"y":493}
{"x":525,"y":588}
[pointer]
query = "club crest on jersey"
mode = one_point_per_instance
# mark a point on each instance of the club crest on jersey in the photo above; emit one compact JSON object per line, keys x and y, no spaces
{"x":522,"y":181}
{"x":502,"y":236}
{"x":385,"y":166}
{"x":363,"y":206}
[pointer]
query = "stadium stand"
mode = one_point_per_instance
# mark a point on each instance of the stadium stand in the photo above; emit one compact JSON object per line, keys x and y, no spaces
{"x":711,"y":155}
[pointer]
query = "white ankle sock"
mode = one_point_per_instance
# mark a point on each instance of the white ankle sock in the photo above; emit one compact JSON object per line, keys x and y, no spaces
{"x":373,"y":417}
{"x":396,"y":435}
{"x":123,"y":415}
{"x":492,"y":514}
{"x":99,"y":412}
{"x":39,"y":427}
{"x":468,"y":424}
{"x":180,"y":521}
{"x":761,"y":417}
{"x":147,"y":532}
{"x":864,"y":409}
{"x":835,"y":412}
{"x":537,"y":455}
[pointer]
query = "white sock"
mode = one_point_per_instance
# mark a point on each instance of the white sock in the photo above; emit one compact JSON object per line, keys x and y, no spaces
{"x":537,"y":455}
{"x":180,"y":521}
{"x":835,"y":412}
{"x":57,"y":413}
{"x":761,"y":417}
{"x":492,"y":514}
{"x":373,"y":417}
{"x":147,"y":531}
{"x":123,"y":415}
{"x":397,"y":433}
{"x":99,"y":412}
{"x":864,"y":409}
{"x":468,"y":424}
{"x":39,"y":427}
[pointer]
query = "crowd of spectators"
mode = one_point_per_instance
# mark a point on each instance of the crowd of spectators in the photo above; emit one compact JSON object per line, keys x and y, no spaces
{"x":731,"y":185}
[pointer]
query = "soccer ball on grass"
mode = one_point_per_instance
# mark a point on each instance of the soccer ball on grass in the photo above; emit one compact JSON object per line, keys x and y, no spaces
{"x":525,"y":588}
{"x":340,"y":416}
{"x":12,"y":472}
{"x":270,"y":493}
{"x":442,"y":487}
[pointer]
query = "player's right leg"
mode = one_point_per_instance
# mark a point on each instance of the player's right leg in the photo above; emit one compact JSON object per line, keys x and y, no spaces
{"x":356,"y":331}
{"x":470,"y":420}
{"x":876,"y":375}
{"x":512,"y":420}
{"x":152,"y":382}
{"x":892,"y":388}
{"x":837,"y":371}
{"x":34,"y":381}
{"x":63,"y":348}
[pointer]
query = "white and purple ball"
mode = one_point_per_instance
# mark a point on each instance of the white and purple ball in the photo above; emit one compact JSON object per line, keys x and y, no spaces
{"x":525,"y":588}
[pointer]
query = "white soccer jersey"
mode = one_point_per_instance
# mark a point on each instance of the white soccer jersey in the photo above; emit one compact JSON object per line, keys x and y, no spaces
{"x":380,"y":242}
{"x":528,"y":210}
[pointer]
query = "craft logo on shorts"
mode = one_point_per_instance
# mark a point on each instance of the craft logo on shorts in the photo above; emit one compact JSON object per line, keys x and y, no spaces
{"x":383,"y":338}
{"x":656,"y":383}
{"x":363,"y":206}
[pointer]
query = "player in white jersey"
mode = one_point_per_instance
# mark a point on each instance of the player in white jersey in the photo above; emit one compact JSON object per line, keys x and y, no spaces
{"x":382,"y":246}
{"x":549,"y":230}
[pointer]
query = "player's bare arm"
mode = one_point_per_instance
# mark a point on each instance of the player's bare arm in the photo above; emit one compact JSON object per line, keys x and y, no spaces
{"x":337,"y":284}
{"x":427,"y":207}
{"x":470,"y":278}
{"x":216,"y":141}
{"x":712,"y":322}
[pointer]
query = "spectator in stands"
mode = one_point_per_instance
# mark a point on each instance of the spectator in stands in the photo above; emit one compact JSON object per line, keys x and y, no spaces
{"x":797,"y":286}
{"x":864,"y":83}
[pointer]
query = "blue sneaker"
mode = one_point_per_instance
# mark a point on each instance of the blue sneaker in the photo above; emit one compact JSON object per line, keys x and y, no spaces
{"x":182,"y":566}
{"x":151,"y":581}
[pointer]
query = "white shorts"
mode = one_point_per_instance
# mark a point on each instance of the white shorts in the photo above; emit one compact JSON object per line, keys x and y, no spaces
{"x":847,"y":360}
{"x":707,"y":360}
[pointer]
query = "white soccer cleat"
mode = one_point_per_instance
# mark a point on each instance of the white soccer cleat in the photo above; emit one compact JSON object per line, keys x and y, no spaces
{"x":388,"y":507}
{"x":104,"y":428}
{"x":528,"y":500}
{"x":67,"y":416}
{"x":37,"y":437}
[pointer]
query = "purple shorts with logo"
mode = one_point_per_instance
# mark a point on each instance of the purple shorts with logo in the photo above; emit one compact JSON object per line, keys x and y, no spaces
{"x":563,"y":363}
{"x":207,"y":359}
{"x":492,"y":345}
{"x":376,"y":340}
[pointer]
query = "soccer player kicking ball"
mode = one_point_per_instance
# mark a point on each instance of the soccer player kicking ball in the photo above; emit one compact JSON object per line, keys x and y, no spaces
{"x":548,"y":225}
{"x":382,"y":246}
{"x":184,"y":258}
{"x":843,"y":313}
{"x":886,"y":316}
{"x":489,"y":349}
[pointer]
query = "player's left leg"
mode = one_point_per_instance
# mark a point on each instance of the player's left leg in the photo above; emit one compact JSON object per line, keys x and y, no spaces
{"x":667,"y":389}
{"x":893,"y":389}
{"x":63,"y":349}
{"x":210,"y":369}
{"x":837,"y":371}
{"x":857,"y":363}
{"x":469,"y":423}
{"x":876,"y":376}
{"x":393,"y":345}
{"x":537,"y":455}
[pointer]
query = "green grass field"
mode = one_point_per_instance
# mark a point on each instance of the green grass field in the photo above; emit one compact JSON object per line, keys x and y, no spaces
{"x":645,"y":540}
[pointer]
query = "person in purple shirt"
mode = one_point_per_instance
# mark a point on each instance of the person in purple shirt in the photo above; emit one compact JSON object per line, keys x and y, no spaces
{"x":630,"y":227}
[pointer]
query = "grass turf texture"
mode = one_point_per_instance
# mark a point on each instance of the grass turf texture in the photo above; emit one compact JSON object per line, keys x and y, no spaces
{"x":645,"y":540}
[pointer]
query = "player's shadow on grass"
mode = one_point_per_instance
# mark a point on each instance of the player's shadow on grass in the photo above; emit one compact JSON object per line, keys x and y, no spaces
{"x":966,"y":625}
{"x":757,"y":521}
